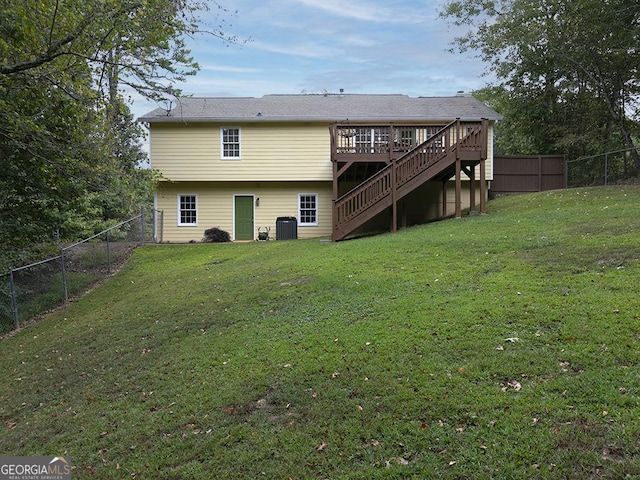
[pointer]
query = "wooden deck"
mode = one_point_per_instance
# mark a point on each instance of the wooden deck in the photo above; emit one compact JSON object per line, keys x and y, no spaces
{"x":398,"y":160}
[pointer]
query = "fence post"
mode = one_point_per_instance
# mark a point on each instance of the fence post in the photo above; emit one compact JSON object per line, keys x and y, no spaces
{"x":64,"y":276}
{"x":142,"y":226}
{"x":14,"y":300}
{"x":606,"y":161}
{"x":108,"y":253}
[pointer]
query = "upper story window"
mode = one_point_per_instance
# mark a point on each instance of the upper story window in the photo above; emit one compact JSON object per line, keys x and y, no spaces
{"x":308,"y":209}
{"x":230,"y":142}
{"x":187,"y":210}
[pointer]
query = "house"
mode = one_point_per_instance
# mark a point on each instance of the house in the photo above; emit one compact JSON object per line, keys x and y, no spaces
{"x":330,"y":165}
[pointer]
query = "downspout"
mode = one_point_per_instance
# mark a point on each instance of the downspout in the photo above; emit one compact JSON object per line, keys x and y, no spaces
{"x":394,"y":205}
{"x":458,"y":136}
{"x":334,"y":212}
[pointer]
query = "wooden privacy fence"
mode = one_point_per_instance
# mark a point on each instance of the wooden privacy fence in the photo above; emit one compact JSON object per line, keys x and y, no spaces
{"x":527,"y":173}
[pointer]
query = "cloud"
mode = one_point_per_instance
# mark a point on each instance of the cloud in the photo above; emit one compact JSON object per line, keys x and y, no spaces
{"x":210,"y":67}
{"x":299,"y":49}
{"x":363,"y":46}
{"x":379,"y":12}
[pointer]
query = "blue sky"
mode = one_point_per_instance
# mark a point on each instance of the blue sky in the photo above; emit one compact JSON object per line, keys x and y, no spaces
{"x":313,"y":46}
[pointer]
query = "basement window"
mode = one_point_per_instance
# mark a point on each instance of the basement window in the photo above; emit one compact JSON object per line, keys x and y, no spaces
{"x":187,"y":210}
{"x":308,"y":209}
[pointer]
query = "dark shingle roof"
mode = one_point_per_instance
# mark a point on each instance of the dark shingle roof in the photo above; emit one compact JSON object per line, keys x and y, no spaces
{"x":329,"y":107}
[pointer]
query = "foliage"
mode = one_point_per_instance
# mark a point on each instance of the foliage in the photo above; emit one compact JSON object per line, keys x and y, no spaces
{"x":138,"y":42}
{"x":495,"y":346}
{"x":216,"y":235}
{"x":70,"y":151}
{"x":567,"y":70}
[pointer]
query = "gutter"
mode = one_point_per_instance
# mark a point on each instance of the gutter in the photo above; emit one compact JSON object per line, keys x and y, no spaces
{"x":347,"y":121}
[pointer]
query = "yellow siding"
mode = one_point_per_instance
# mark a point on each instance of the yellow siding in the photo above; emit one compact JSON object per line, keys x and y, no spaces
{"x":215,"y":206}
{"x":269,"y":152}
{"x":489,"y":161}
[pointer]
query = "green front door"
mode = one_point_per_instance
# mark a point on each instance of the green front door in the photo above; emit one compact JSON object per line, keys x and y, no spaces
{"x":243,"y":207}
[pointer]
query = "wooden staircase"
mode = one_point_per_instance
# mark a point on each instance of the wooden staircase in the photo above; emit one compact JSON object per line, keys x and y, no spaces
{"x":452,"y":149}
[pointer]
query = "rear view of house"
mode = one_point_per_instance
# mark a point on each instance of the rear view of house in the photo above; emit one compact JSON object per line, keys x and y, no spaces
{"x":307,"y":166}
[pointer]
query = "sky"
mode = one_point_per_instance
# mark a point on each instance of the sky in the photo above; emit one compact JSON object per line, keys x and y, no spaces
{"x":319,"y":46}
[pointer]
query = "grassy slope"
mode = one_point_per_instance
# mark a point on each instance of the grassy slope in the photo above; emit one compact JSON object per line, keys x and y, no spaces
{"x":385,"y":357}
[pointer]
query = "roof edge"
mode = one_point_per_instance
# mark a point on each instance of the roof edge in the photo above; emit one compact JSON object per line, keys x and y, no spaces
{"x":281,"y":119}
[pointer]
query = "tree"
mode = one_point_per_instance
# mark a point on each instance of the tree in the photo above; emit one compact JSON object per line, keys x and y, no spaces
{"x":567,"y":69}
{"x":69,"y":148}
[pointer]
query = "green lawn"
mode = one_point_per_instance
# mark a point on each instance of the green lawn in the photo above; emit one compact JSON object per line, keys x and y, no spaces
{"x":498,"y":346}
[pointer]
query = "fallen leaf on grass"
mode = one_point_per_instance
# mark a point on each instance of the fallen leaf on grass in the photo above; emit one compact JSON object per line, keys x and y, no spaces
{"x":321,"y":447}
{"x":398,"y":460}
{"x":512,"y":384}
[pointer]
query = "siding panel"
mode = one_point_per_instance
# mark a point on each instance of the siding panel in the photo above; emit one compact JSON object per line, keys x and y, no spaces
{"x":270,"y":152}
{"x":215,"y":206}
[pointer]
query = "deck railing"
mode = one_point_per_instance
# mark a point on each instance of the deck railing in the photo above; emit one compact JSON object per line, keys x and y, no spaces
{"x":460,"y":136}
{"x":380,"y":139}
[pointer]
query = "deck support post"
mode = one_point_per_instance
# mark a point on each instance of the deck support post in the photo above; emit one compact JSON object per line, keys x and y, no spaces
{"x":457,"y":132}
{"x":458,"y":187}
{"x":394,"y":200}
{"x":483,"y":168}
{"x":483,"y":187}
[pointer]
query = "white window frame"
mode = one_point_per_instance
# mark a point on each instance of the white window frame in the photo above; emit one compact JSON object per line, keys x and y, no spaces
{"x":300,"y":209}
{"x":223,"y":143}
{"x":180,"y":210}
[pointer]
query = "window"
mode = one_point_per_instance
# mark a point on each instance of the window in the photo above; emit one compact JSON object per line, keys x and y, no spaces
{"x":308,"y":209}
{"x":230,"y":143}
{"x":372,"y":139}
{"x":187,"y":210}
{"x":405,"y":138}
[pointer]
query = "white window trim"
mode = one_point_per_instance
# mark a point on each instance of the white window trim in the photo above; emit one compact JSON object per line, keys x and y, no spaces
{"x":309,"y":224}
{"x":222,"y":156}
{"x":180,"y":224}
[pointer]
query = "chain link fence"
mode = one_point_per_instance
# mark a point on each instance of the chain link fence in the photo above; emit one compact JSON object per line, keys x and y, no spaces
{"x":28,"y":291}
{"x":603,"y":169}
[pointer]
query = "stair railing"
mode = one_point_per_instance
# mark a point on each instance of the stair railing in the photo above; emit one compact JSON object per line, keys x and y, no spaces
{"x":457,"y":134}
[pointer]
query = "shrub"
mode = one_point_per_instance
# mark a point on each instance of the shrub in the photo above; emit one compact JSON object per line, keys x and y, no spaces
{"x":216,"y":235}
